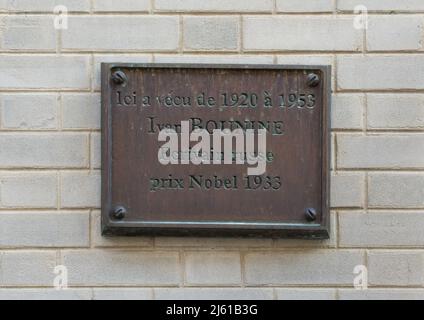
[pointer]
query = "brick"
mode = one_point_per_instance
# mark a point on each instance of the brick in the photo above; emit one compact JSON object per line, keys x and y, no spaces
{"x":347,"y":111}
{"x":45,"y":294}
{"x":305,"y":294}
{"x":122,"y":294}
{"x":27,"y":33}
{"x":121,"y":6}
{"x":217,"y":268}
{"x":115,"y":241}
{"x":317,"y":267}
{"x":395,"y":33}
{"x":395,"y":111}
{"x":53,"y":150}
{"x":81,"y":111}
{"x":378,"y":5}
{"x":27,"y":268}
{"x":300,"y":33}
{"x":95,"y":149}
{"x":381,"y":294}
{"x":117,"y":33}
{"x":402,"y":190}
{"x":211,"y":33}
{"x":80,"y":189}
{"x":380,"y":151}
{"x":116,"y":268}
{"x":305,"y":6}
{"x":34,"y":190}
{"x":380,"y":72}
{"x":381,"y":229}
{"x":44,"y":5}
{"x":211,"y":59}
{"x":214,"y":6}
{"x":396,"y":268}
{"x":213,"y":293}
{"x":44,"y":229}
{"x":29,"y":112}
{"x":98,"y":59}
{"x":44,"y":72}
{"x":347,"y":190}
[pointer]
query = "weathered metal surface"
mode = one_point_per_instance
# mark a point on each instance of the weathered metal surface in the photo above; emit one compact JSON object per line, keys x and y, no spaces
{"x":142,"y":196}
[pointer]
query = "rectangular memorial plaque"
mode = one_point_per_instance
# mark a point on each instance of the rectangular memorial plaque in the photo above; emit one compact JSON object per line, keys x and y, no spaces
{"x":215,"y":150}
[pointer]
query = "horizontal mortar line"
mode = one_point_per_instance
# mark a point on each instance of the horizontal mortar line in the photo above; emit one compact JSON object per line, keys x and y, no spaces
{"x":58,"y":130}
{"x":393,"y":210}
{"x":400,"y":51}
{"x":29,"y":209}
{"x":388,"y":132}
{"x":300,"y":286}
{"x":4,"y":211}
{"x":399,"y":210}
{"x":82,"y":169}
{"x":246,"y":52}
{"x":48,"y":169}
{"x":360,"y":170}
{"x":91,"y":286}
{"x":382,"y":170}
{"x":46,"y":132}
{"x":34,"y":91}
{"x":379,"y":91}
{"x":173,"y":13}
{"x":143,"y":287}
{"x":62,"y":249}
{"x":85,"y":54}
{"x":212,"y":12}
{"x":414,"y":250}
{"x":38,"y":248}
{"x":358,"y":131}
{"x":111,"y":51}
{"x":211,"y":285}
{"x":283,"y":250}
{"x":217,"y":51}
{"x":212,"y":52}
{"x":389,"y":248}
{"x":254,"y":287}
{"x":45,"y":249}
{"x":252,"y":250}
{"x":304,"y":247}
{"x":18,"y":51}
{"x":283,"y":52}
{"x":143,"y":247}
{"x":395,"y":131}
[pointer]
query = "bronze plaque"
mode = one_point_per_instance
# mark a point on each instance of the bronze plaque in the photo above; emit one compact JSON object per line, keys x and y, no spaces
{"x":151,"y":188}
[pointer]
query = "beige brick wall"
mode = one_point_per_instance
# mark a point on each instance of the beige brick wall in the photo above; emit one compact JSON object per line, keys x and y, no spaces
{"x":50,"y":148}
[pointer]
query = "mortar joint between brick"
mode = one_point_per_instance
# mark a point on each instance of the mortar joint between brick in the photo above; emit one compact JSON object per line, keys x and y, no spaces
{"x":91,"y":68}
{"x":242,"y":269}
{"x":183,"y":267}
{"x":181,"y":34}
{"x":241,"y":33}
{"x":365,"y":113}
{"x":366,"y":191}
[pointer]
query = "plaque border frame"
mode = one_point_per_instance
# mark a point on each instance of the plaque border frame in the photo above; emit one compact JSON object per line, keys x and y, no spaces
{"x":307,"y":230}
